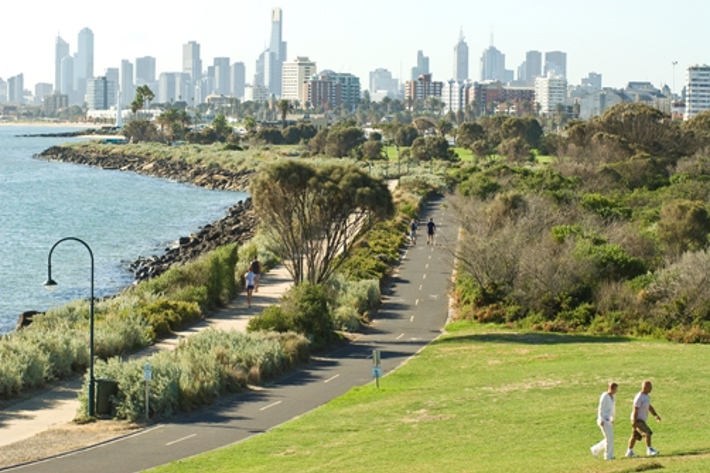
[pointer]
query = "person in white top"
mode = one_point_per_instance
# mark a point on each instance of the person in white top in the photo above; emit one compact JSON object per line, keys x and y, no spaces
{"x":639,"y":416}
{"x":249,"y":278}
{"x":605,"y":420}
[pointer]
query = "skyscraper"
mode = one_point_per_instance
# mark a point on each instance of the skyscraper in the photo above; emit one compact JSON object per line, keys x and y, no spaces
{"x":145,"y":70}
{"x":222,"y":76}
{"x":100,"y":93}
{"x":461,"y":59}
{"x":493,"y":65}
{"x":269,"y":66}
{"x":556,"y":63}
{"x":67,"y":80}
{"x":191,"y":62}
{"x":422,"y":66}
{"x":15,"y":89}
{"x":61,"y":50}
{"x":83,"y":63}
{"x":128,"y":87}
{"x":238,"y":78}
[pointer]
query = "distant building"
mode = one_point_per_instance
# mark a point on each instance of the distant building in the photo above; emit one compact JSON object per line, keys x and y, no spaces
{"x":594,"y":102}
{"x":41,"y":90}
{"x":191,"y":62}
{"x":550,"y":91}
{"x":145,"y":70}
{"x":556,"y":63}
{"x":422,"y":88}
{"x":493,"y":97}
{"x":256,"y":93}
{"x":349,"y":87}
{"x":174,"y":86}
{"x":113,"y":75}
{"x":222,"y":76}
{"x":422,"y":67}
{"x":83,"y":63}
{"x":530,"y":68}
{"x":127,"y":86}
{"x":295,"y":74}
{"x":61,"y":50}
{"x":493,"y":65}
{"x":16,"y":89}
{"x":67,"y":79}
{"x":322,"y":91}
{"x":55,"y":102}
{"x":381,"y":80}
{"x":3,"y":91}
{"x":461,"y":59}
{"x":100,"y":93}
{"x":454,"y":95}
{"x":238,"y":80}
{"x":593,"y":81}
{"x":269,"y":65}
{"x":698,"y":91}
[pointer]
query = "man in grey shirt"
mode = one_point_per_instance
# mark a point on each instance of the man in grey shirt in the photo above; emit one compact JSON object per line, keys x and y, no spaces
{"x":639,"y":416}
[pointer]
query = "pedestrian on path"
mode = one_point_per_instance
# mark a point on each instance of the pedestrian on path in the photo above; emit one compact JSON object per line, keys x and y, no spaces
{"x":605,"y":420}
{"x":413,"y":232}
{"x":639,"y":416}
{"x":256,"y":269}
{"x":430,"y":230}
{"x":249,"y":277}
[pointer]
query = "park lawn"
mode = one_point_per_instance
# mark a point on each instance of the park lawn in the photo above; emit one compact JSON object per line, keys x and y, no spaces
{"x":464,"y":154}
{"x":488,"y":400}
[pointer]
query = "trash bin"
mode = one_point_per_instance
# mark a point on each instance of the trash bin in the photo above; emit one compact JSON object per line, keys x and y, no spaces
{"x":105,"y":388}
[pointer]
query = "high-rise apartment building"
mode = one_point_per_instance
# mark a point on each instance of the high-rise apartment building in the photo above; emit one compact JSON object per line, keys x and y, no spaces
{"x":61,"y":50}
{"x":67,"y":79}
{"x":16,"y":89}
{"x":295,"y":74}
{"x":493,"y":65}
{"x":454,"y":95}
{"x":381,"y":80}
{"x":145,"y":70}
{"x":42,"y":89}
{"x":697,"y":91}
{"x":550,"y":91}
{"x":100,"y":93}
{"x":128,"y":86}
{"x":191,"y":62}
{"x":3,"y":91}
{"x":269,"y":66}
{"x":556,"y":63}
{"x":113,"y":75}
{"x":461,"y":59}
{"x":238,"y":80}
{"x":349,"y":86}
{"x":422,"y":88}
{"x":174,"y":86}
{"x":422,"y":66}
{"x":222,"y":76}
{"x":322,"y":91}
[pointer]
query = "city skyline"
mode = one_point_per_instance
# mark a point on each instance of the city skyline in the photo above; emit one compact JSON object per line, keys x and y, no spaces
{"x":635,"y":43}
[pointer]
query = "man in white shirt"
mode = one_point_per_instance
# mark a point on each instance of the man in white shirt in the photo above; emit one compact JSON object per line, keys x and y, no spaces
{"x":639,"y":416}
{"x":605,"y":419}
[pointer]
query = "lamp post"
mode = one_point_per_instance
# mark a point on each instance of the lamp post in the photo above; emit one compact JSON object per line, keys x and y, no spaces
{"x":49,"y":283}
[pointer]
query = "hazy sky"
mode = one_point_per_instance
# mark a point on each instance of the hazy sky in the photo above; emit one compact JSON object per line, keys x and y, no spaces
{"x":624,"y":40}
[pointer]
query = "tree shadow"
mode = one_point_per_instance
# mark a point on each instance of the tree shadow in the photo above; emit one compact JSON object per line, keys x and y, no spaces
{"x":530,"y":338}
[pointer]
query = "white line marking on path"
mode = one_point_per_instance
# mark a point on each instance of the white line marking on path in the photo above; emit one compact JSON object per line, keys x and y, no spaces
{"x":331,"y":378}
{"x":429,"y":256}
{"x":400,"y":337}
{"x":424,"y":277}
{"x":180,"y":440}
{"x":417,"y":302}
{"x":427,"y":266}
{"x":271,"y":405}
{"x":412,"y":319}
{"x":421,"y":286}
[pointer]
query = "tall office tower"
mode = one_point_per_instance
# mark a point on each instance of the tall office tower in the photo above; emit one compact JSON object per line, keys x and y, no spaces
{"x":295,"y":74}
{"x":382,"y":80}
{"x":174,"y":86}
{"x":127,"y":87}
{"x":100,"y":93}
{"x":191,"y":62}
{"x":42,"y":89}
{"x":461,"y":59}
{"x":269,"y":65}
{"x":222,"y":76}
{"x":556,"y":62}
{"x":113,"y":75}
{"x":145,"y":70}
{"x":698,"y":91}
{"x":533,"y":67}
{"x":61,"y":50}
{"x":83,"y":63}
{"x":238,"y":78}
{"x":15,"y":89}
{"x":493,"y":65}
{"x":422,"y":66}
{"x":67,"y":79}
{"x":3,"y":91}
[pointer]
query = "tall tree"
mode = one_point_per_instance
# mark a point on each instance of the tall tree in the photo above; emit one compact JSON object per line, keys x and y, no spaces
{"x":313,"y":213}
{"x":284,"y":106}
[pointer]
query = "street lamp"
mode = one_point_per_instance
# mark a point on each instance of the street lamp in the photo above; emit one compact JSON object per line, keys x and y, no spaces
{"x":49,"y":283}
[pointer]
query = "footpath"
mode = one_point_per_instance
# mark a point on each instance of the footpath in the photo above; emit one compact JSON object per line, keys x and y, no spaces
{"x":59,"y":405}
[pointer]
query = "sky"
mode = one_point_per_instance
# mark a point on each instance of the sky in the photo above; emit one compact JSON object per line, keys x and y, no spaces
{"x":624,"y":40}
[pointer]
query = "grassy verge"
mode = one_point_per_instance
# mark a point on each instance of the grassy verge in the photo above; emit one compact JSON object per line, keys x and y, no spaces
{"x":481,"y":399}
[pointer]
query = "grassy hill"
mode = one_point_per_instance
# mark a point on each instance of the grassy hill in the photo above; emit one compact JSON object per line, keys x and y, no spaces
{"x":485,"y":399}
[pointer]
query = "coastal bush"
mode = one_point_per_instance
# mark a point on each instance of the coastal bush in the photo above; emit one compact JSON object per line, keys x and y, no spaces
{"x":208,"y":364}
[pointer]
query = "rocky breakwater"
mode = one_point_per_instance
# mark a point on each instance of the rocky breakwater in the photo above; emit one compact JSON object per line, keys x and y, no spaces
{"x":237,"y":227}
{"x":172,"y":169}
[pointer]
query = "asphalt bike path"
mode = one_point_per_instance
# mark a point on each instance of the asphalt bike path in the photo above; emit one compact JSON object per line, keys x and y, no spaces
{"x":412,"y":315}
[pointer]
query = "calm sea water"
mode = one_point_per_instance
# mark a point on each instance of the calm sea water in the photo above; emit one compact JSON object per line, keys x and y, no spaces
{"x":119,"y":215}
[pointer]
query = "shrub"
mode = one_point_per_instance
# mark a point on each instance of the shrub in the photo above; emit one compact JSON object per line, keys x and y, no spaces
{"x":684,"y":226}
{"x":164,"y":315}
{"x":605,"y":207}
{"x":272,"y":319}
{"x":309,"y":306}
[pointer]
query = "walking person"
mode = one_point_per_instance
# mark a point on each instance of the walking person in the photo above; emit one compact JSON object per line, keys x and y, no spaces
{"x":605,"y":420}
{"x":256,"y":269}
{"x":430,"y":230}
{"x":639,"y":416}
{"x":249,"y":278}
{"x":413,"y":232}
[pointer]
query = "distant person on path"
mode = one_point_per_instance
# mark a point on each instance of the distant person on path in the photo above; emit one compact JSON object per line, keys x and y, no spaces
{"x":256,"y":269}
{"x":605,"y":419}
{"x":249,"y":277}
{"x":430,"y":230}
{"x":413,"y":232}
{"x":639,"y":416}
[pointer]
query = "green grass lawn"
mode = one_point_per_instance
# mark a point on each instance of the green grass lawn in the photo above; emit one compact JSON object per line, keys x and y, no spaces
{"x":482,"y":399}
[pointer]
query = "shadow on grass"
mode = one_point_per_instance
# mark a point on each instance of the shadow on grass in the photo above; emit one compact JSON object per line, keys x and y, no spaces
{"x":541,"y":338}
{"x":644,"y":467}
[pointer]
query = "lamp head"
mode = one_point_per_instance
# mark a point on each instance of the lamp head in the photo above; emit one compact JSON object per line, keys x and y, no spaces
{"x":50,"y":283}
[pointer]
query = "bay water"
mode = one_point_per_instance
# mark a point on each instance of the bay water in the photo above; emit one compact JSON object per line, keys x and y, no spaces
{"x":120,"y":215}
